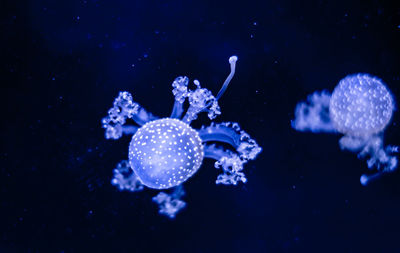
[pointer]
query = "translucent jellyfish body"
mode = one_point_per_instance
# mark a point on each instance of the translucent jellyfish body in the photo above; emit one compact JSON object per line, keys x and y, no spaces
{"x":166,"y":152}
{"x":360,"y":108}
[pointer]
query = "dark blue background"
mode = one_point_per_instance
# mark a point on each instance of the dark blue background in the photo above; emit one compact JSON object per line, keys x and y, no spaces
{"x":63,"y":63}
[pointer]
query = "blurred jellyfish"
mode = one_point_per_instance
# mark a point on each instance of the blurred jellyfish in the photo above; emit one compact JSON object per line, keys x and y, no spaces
{"x":360,"y":108}
{"x":166,"y":152}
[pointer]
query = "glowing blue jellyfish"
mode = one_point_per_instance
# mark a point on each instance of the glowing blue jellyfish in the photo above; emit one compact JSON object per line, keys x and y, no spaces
{"x":360,"y":108}
{"x":166,"y":152}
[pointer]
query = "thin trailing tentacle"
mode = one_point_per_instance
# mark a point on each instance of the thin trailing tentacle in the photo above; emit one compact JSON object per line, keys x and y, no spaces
{"x":125,"y":179}
{"x":124,"y":108}
{"x":232,"y":61}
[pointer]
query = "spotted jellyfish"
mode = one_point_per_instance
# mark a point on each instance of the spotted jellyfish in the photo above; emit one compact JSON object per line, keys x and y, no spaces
{"x":360,"y":108}
{"x":165,"y":152}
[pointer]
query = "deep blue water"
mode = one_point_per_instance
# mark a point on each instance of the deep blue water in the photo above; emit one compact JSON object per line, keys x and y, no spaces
{"x":63,"y":63}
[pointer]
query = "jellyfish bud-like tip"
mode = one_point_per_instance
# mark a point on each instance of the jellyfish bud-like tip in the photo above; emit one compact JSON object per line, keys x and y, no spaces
{"x":233,"y":59}
{"x":364,"y":180}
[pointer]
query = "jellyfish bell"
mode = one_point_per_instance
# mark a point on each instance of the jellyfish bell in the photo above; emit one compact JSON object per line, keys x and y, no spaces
{"x":361,"y":105}
{"x":165,"y":153}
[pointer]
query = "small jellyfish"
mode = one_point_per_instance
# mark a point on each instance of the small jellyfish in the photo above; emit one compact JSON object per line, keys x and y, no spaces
{"x":360,"y":108}
{"x":165,"y":152}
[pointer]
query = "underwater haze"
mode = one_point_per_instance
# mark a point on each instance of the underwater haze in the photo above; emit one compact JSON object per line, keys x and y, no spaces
{"x":67,"y":186}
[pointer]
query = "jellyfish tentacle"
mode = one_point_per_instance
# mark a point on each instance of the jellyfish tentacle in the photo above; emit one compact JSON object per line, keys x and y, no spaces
{"x":142,"y":117}
{"x":180,"y":92}
{"x":352,"y":143}
{"x":313,"y":115}
{"x":214,"y":152}
{"x":232,"y":62}
{"x":177,"y":110}
{"x":125,"y":178}
{"x":202,"y":100}
{"x":367,"y":179}
{"x":124,"y":108}
{"x":129,"y":130}
{"x":230,"y":163}
{"x":389,"y":165}
{"x":384,"y":158}
{"x":221,"y":133}
{"x":230,"y":133}
{"x":379,"y":157}
{"x":170,"y":204}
